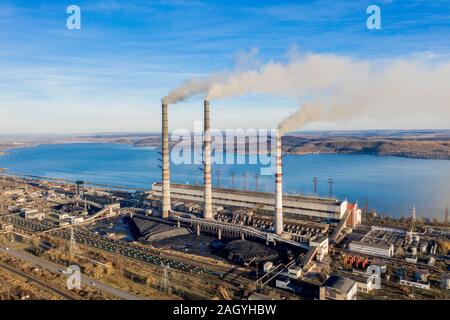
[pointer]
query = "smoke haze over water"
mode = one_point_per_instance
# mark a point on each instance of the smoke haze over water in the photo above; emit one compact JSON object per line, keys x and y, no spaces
{"x":339,"y":89}
{"x":403,"y":93}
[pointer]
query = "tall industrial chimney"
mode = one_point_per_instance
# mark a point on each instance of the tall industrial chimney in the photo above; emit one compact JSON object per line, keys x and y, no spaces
{"x":278,"y":189}
{"x":165,"y":163}
{"x":207,"y":208}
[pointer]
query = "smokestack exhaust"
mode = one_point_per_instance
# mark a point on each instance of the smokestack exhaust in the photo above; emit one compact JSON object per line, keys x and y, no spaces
{"x":278,"y":189}
{"x":207,"y":208}
{"x":165,"y":163}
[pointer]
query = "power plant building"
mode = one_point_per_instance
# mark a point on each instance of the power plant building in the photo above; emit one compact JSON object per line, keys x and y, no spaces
{"x":372,"y":249}
{"x":294,"y":207}
{"x":340,"y":288}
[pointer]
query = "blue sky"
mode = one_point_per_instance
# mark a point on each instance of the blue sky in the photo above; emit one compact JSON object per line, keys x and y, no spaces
{"x":110,"y":75}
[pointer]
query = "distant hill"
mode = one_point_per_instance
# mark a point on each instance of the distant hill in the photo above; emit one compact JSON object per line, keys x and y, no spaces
{"x":427,"y":144}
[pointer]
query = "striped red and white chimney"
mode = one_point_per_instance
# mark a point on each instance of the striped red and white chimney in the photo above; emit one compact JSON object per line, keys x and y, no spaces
{"x":165,"y":164}
{"x":207,"y":206}
{"x":278,"y":188}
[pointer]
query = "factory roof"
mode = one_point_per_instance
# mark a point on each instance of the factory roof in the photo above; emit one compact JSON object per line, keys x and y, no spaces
{"x":378,"y":245}
{"x":342,"y":284}
{"x":319,"y":239}
{"x":358,"y":277}
{"x":329,"y":201}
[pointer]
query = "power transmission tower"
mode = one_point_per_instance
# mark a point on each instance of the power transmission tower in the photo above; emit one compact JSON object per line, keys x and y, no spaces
{"x":73,"y":244}
{"x":165,"y":285}
{"x":366,"y":207}
{"x":331,"y":182}
{"x":315,"y":180}
{"x":244,"y":176}
{"x":256,"y":176}
{"x":233,"y":175}
{"x":446,"y":216}
{"x":218,"y":172}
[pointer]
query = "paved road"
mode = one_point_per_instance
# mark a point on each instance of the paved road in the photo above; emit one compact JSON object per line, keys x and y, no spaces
{"x":59,"y":268}
{"x":39,"y":282}
{"x":138,"y":252}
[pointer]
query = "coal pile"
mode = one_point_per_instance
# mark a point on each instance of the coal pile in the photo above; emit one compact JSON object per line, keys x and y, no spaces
{"x":242,"y":251}
{"x":142,"y":228}
{"x":147,"y":230}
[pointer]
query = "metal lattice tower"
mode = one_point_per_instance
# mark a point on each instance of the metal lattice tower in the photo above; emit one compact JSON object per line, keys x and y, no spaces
{"x":331,"y":182}
{"x":256,"y":176}
{"x":73,"y":244}
{"x":218,"y":173}
{"x":233,"y":175}
{"x":244,"y":180}
{"x":315,"y":180}
{"x":446,"y":215}
{"x":165,"y":284}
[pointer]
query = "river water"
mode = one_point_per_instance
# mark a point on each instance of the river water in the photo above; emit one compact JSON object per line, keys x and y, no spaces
{"x":390,"y":184}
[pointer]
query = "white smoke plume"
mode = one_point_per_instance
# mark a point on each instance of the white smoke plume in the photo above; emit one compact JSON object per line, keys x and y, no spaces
{"x":191,"y":88}
{"x":302,"y":76}
{"x":403,"y":93}
{"x":339,"y":89}
{"x":200,"y":86}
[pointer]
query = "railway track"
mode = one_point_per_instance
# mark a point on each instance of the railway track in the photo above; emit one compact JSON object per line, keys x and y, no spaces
{"x":128,"y":250}
{"x":114,"y":246}
{"x":214,"y":274}
{"x":41,"y":284}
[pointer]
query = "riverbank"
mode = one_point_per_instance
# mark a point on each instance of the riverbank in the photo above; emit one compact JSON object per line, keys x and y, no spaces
{"x":414,"y":144}
{"x":390,"y":184}
{"x":418,"y":144}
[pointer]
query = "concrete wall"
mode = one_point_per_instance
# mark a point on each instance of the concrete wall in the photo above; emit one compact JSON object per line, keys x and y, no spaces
{"x":327,"y":209}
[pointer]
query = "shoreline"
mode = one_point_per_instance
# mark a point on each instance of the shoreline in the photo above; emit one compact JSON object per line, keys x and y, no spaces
{"x":5,"y":151}
{"x":379,"y":219}
{"x":412,"y":144}
{"x":365,"y":153}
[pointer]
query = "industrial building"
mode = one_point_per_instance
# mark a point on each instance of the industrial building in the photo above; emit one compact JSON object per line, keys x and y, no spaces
{"x":340,"y":288}
{"x":321,"y":243}
{"x":293,"y":219}
{"x":294,"y":207}
{"x":415,"y":284}
{"x":372,"y":249}
{"x":364,"y":283}
{"x":31,"y":214}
